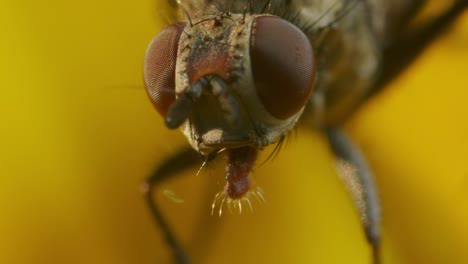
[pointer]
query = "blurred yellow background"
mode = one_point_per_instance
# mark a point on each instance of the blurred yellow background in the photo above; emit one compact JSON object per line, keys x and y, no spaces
{"x":78,"y":136}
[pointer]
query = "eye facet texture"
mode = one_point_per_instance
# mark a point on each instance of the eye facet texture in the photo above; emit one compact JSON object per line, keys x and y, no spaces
{"x":283,"y":65}
{"x":159,"y":68}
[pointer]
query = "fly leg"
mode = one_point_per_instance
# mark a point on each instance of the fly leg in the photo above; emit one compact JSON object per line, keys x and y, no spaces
{"x":183,"y":159}
{"x":358,"y":178}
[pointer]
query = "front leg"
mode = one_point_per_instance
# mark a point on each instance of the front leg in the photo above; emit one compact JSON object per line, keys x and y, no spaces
{"x":180,"y":161}
{"x":358,"y":178}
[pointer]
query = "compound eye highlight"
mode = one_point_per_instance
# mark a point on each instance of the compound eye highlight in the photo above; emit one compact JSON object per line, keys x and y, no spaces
{"x":159,"y":67}
{"x":283,"y":65}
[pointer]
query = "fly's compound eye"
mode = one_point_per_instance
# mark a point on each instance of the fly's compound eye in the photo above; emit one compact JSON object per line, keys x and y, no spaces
{"x":160,"y":64}
{"x":283,"y":65}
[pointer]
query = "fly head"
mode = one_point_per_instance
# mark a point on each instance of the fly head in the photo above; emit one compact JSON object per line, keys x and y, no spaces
{"x":231,"y":81}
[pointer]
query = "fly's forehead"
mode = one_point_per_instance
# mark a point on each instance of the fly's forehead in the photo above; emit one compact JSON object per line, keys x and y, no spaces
{"x":220,"y":46}
{"x":213,"y":47}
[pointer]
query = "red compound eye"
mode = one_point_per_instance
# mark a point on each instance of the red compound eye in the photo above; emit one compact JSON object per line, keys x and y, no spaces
{"x":159,"y":69}
{"x":283,"y":65}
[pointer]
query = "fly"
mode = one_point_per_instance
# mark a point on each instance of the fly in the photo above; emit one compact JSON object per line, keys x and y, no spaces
{"x":236,"y":76}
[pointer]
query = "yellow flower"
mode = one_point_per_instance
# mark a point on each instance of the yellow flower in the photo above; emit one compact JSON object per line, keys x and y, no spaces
{"x":78,"y":136}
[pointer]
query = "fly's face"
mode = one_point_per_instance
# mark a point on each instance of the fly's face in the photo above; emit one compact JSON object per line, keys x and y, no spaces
{"x":230,"y":80}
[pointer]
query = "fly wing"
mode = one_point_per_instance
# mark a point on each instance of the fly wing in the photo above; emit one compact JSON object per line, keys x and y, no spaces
{"x":391,"y":16}
{"x":405,"y":38}
{"x":363,"y":44}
